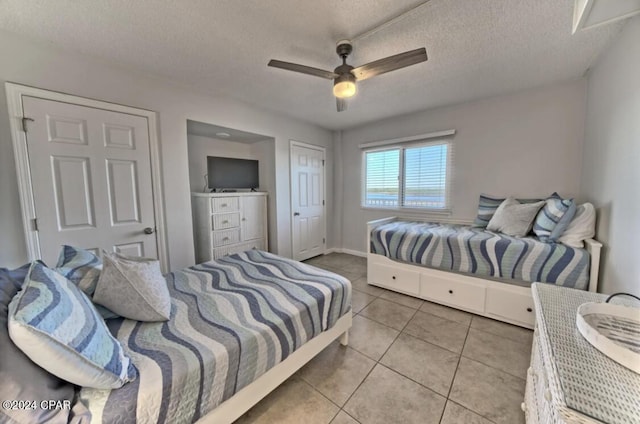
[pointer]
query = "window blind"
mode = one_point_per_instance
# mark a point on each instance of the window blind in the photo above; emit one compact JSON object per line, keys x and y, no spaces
{"x":415,"y":176}
{"x":425,"y":177}
{"x":382,"y":185}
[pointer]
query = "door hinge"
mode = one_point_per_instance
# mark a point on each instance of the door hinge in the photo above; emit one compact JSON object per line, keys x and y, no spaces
{"x":24,"y":123}
{"x":34,"y":224}
{"x":323,"y":203}
{"x":323,"y":241}
{"x":322,"y":162}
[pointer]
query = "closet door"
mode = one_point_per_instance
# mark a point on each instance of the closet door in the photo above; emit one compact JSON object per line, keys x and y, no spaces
{"x":91,"y":177}
{"x":307,"y":201}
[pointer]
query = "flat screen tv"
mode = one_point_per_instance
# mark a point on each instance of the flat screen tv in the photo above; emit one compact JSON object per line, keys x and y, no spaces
{"x":230,"y":173}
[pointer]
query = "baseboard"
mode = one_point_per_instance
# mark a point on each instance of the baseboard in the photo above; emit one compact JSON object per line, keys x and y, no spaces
{"x":355,"y":253}
{"x":347,"y":251}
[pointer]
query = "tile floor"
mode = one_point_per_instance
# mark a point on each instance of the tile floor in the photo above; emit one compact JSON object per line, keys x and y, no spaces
{"x":408,"y":361}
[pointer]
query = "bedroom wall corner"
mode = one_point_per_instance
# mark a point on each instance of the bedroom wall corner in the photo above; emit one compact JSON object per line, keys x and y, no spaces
{"x":338,"y":193}
{"x":611,"y":160}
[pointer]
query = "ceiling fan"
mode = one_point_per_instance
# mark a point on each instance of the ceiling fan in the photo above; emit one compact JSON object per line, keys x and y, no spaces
{"x":345,"y":76}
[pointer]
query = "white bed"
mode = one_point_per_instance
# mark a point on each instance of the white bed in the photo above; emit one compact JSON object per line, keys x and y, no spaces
{"x":505,"y":302}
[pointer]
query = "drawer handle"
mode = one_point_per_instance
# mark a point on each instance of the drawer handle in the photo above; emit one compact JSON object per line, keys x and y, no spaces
{"x":523,"y":407}
{"x":225,"y":222}
{"x":393,"y":277}
{"x":225,"y":238}
{"x":224,"y":205}
{"x":529,"y":310}
{"x":450,"y":291}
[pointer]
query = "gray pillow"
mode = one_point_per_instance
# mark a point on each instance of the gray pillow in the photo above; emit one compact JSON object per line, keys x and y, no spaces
{"x":133,"y":288}
{"x":20,"y":378}
{"x":514,"y":218}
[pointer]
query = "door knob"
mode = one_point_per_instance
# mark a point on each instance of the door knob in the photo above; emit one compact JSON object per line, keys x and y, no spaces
{"x":296,"y":214}
{"x":149,"y":230}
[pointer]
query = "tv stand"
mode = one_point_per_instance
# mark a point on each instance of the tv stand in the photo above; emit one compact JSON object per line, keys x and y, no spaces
{"x":227,"y":223}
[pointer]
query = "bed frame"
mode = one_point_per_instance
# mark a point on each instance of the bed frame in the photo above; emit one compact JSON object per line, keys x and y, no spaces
{"x":505,"y":302}
{"x":231,"y":409}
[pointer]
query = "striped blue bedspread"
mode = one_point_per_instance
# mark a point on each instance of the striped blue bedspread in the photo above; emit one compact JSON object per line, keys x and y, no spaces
{"x":482,"y":253}
{"x":231,"y":321}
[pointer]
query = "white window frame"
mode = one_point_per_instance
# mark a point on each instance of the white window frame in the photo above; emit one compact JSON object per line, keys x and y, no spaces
{"x":401,"y":187}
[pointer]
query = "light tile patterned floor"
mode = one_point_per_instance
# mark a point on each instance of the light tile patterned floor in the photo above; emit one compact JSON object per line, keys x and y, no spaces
{"x":408,"y":361}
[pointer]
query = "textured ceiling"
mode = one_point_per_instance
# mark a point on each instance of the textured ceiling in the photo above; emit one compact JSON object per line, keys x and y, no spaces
{"x":476,"y":48}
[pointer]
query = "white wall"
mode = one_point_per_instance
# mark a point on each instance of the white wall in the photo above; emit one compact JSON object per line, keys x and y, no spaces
{"x":611,"y":170}
{"x":526,"y":144}
{"x":40,"y":65}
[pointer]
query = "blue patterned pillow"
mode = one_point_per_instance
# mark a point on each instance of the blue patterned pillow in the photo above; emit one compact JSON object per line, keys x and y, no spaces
{"x":487,"y":207}
{"x":81,"y":267}
{"x":55,"y":324}
{"x":550,"y":215}
{"x":564,"y":222}
{"x":16,"y":368}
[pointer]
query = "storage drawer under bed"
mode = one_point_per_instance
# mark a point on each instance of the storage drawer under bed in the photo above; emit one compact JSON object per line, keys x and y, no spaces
{"x":504,"y":303}
{"x":394,"y":278}
{"x":437,"y":286}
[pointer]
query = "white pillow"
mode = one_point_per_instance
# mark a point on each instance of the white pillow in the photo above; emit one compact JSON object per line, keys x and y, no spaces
{"x":514,"y":218}
{"x":581,"y":227}
{"x":133,"y":288}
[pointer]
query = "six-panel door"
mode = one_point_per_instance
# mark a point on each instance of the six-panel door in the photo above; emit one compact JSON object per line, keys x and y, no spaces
{"x":91,"y":177}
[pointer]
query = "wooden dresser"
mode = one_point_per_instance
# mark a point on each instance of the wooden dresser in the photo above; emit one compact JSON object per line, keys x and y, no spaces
{"x":227,"y":223}
{"x":569,"y":381}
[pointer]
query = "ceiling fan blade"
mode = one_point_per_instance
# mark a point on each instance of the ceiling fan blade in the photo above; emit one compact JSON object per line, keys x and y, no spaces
{"x":390,"y":63}
{"x":302,"y":69}
{"x":342,"y":104}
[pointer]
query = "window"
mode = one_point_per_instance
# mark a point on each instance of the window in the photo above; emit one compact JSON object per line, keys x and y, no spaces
{"x":414,"y":177}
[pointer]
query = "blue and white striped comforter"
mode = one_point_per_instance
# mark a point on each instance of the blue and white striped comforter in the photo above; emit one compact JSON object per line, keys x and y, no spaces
{"x":231,"y":321}
{"x":482,"y":253}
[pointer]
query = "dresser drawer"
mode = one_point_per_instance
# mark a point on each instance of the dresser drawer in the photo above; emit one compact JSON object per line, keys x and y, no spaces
{"x":441,"y":289}
{"x":225,"y":220}
{"x":225,"y":204}
{"x":394,"y":278}
{"x":225,"y":237}
{"x":257,"y":244}
{"x":514,"y":306}
{"x":220,"y":252}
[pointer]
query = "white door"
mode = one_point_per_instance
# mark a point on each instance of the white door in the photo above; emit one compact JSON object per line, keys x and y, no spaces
{"x":91,"y":178}
{"x":307,"y":202}
{"x":253,"y":217}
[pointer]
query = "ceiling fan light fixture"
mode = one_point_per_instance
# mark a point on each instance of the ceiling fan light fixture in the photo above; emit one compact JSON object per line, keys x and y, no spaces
{"x":344,"y":86}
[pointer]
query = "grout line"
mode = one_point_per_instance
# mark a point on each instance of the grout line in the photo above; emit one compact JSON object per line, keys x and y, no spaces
{"x":361,"y":383}
{"x":453,"y":380}
{"x":491,"y":366}
{"x":351,"y":416}
{"x":320,"y":393}
{"x":503,"y":336}
{"x":416,"y":382}
{"x":471,"y":410}
{"x":377,"y":362}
